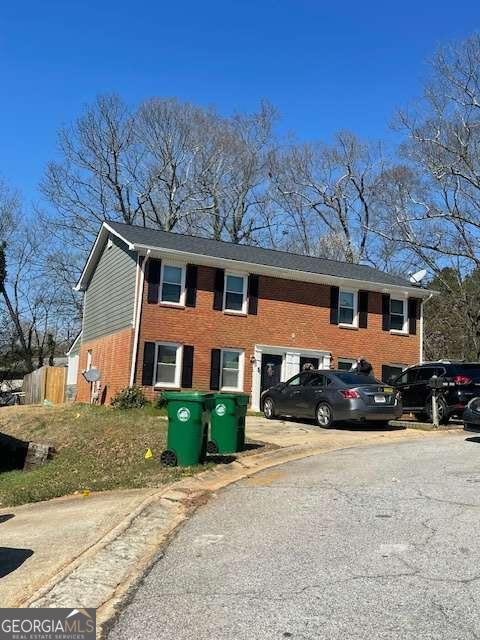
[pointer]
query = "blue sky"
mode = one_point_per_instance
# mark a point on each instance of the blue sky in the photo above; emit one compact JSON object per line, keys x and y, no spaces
{"x":325,"y":66}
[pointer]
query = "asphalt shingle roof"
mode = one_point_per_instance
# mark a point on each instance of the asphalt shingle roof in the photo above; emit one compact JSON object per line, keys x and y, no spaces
{"x":156,"y":239}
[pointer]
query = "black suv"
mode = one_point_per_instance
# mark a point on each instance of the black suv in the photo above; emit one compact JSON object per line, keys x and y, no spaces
{"x":413,"y":384}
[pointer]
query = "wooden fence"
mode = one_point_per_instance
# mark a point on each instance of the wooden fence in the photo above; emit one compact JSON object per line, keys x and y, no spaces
{"x":46,"y":383}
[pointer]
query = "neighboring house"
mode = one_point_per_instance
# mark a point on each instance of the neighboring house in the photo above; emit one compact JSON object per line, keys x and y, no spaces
{"x":171,"y":311}
{"x":73,"y":359}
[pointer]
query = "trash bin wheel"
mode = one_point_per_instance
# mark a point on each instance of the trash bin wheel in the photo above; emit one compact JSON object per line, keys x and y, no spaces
{"x":169,"y":458}
{"x":212,"y":447}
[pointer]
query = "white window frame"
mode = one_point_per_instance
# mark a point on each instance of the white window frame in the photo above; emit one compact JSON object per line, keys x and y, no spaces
{"x":178,"y":366}
{"x":241,"y":369}
{"x":350,"y":361}
{"x":244,"y":276}
{"x":404,"y":330}
{"x":166,"y":303}
{"x":355,"y":308}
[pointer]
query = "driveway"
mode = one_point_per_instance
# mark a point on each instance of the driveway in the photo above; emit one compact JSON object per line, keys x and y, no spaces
{"x":370,"y":542}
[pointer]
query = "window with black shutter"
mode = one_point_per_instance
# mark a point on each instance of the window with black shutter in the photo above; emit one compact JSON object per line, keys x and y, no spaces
{"x":153,"y":276}
{"x":334,"y":296}
{"x":385,"y":312}
{"x":252,"y":294}
{"x":215,"y":360}
{"x":187,"y":367}
{"x":191,"y":285}
{"x":363,"y":309}
{"x":148,"y":364}
{"x":218,"y":289}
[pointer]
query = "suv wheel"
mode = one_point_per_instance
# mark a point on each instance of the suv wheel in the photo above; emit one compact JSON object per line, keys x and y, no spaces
{"x":269,"y":408}
{"x":324,"y":415}
{"x":443,"y":416}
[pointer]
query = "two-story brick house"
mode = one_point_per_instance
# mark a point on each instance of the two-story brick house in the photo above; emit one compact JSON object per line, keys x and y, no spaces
{"x":171,"y":311}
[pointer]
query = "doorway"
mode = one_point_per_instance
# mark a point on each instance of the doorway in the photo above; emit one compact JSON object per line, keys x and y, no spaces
{"x":271,"y":370}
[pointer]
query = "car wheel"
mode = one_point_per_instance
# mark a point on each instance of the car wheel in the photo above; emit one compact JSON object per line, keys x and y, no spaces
{"x":269,"y":409}
{"x":324,"y":415}
{"x":443,"y":416}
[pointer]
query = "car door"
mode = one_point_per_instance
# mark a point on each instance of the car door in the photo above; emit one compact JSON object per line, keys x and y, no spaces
{"x":421,"y":390}
{"x":313,"y":391}
{"x":405,"y":384}
{"x":289,"y":397}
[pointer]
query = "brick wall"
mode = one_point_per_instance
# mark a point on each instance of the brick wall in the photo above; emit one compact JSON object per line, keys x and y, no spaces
{"x":112,"y":356}
{"x":290,"y":314}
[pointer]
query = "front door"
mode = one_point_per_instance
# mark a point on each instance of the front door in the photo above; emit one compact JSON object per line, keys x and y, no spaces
{"x":308,"y":363}
{"x":271,"y":370}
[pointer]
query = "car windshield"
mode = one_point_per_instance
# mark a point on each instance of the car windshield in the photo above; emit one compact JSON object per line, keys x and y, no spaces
{"x":353,"y":379}
{"x":470,"y":370}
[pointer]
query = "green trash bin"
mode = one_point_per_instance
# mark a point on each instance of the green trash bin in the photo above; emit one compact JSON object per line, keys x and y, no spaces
{"x":188,"y":415}
{"x":227,"y":422}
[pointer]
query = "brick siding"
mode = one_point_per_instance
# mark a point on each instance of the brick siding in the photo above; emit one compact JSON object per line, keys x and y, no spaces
{"x":112,"y":356}
{"x":290,"y":314}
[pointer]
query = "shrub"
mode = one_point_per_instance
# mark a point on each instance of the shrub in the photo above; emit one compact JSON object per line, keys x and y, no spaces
{"x":161,"y":402}
{"x":129,"y":398}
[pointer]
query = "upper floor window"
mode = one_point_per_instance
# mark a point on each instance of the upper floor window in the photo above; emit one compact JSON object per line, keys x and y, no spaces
{"x":397,"y":315}
{"x":235,"y":294}
{"x":172,"y":284}
{"x":347,"y":308}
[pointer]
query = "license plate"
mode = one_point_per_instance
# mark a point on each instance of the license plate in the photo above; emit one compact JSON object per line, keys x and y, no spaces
{"x":380,"y":399}
{"x":387,"y":390}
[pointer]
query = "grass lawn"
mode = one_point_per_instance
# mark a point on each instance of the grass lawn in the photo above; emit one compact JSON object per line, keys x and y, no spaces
{"x":98,"y":448}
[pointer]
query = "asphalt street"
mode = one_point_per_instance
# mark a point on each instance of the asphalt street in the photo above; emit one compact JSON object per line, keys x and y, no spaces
{"x":374,"y":542}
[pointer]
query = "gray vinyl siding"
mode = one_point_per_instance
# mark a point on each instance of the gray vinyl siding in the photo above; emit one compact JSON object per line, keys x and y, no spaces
{"x":110,"y":295}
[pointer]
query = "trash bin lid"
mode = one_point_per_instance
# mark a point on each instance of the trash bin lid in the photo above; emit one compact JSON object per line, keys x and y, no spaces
{"x":240,"y":398}
{"x":186,"y":396}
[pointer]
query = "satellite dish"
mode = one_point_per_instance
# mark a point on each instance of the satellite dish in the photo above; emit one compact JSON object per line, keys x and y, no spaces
{"x":92,"y":375}
{"x":417,"y":277}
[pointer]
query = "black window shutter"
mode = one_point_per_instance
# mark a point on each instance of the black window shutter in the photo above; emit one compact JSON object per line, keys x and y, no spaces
{"x":215,"y":369}
{"x":334,"y":294}
{"x":413,"y":315}
{"x":252,"y":294}
{"x":191,"y":285}
{"x":218,"y":293}
{"x":148,"y":364}
{"x":363,"y":309}
{"x":187,"y":367}
{"x":154,"y":267}
{"x":386,"y":312}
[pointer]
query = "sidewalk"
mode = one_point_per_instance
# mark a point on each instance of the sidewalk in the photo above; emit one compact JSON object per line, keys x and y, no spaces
{"x":88,"y":552}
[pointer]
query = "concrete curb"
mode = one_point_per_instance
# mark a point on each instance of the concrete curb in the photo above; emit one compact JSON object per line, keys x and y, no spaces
{"x":107,"y":573}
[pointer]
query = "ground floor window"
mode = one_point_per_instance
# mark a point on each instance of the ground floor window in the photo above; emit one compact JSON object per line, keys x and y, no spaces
{"x":345,"y":364}
{"x":168,"y":364}
{"x":232,"y":370}
{"x":391,"y":371}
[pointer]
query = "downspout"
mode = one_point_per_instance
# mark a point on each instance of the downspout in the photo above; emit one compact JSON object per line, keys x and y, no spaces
{"x":421,"y":325}
{"x":138,"y":315}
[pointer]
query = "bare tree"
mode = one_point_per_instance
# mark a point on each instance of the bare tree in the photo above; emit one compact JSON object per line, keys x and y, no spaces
{"x":432,"y":202}
{"x":329,"y":195}
{"x":94,"y":179}
{"x":232,"y":173}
